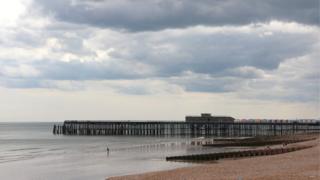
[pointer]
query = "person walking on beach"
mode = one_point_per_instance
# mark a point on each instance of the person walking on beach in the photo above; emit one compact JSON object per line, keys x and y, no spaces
{"x":108,"y":151}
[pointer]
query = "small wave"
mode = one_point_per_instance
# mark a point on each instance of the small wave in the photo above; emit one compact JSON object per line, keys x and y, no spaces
{"x":6,"y":159}
{"x":55,"y":149}
{"x":24,"y":149}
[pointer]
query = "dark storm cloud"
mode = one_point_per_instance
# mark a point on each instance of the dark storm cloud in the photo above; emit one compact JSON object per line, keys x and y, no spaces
{"x":143,"y":15}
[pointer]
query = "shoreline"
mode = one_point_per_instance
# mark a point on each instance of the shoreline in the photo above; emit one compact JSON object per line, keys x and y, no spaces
{"x":302,"y":164}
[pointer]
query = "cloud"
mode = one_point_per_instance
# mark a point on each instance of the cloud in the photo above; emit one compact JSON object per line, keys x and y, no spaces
{"x":208,"y":50}
{"x":240,"y":55}
{"x":193,"y":82}
{"x":296,"y":79}
{"x":148,"y":15}
{"x":218,"y":51}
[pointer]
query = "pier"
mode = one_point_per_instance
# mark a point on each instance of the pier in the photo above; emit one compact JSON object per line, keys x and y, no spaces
{"x":182,"y":128}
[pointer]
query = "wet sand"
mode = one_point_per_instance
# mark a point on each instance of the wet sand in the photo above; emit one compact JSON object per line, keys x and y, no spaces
{"x":298,"y":165}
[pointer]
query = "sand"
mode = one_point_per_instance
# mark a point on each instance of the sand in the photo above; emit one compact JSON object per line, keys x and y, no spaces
{"x":298,"y":165}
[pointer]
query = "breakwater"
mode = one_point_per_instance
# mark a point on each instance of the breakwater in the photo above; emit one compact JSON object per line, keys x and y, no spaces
{"x":257,"y":142}
{"x":164,"y":128}
{"x":237,"y":154}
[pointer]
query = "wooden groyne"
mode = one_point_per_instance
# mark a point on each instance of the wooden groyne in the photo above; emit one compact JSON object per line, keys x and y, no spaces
{"x":164,"y":128}
{"x":257,"y":142}
{"x":237,"y":154}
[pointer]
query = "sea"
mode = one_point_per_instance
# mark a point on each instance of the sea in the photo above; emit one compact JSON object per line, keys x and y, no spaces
{"x":31,"y":151}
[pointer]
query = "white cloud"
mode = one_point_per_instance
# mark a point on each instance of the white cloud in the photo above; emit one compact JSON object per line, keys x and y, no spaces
{"x":11,"y":11}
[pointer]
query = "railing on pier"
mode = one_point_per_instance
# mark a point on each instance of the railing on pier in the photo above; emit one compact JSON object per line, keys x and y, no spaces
{"x":165,"y":128}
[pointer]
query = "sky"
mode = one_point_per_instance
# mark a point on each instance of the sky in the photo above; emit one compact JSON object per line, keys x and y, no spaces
{"x":159,"y":59}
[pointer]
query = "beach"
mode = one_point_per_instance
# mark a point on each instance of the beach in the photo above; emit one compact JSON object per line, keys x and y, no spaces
{"x":302,"y":164}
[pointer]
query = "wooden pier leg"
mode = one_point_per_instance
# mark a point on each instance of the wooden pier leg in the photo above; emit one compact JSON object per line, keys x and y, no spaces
{"x":54,"y":129}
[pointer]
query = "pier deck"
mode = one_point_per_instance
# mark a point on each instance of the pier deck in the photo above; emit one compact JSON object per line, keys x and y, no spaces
{"x":166,"y":128}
